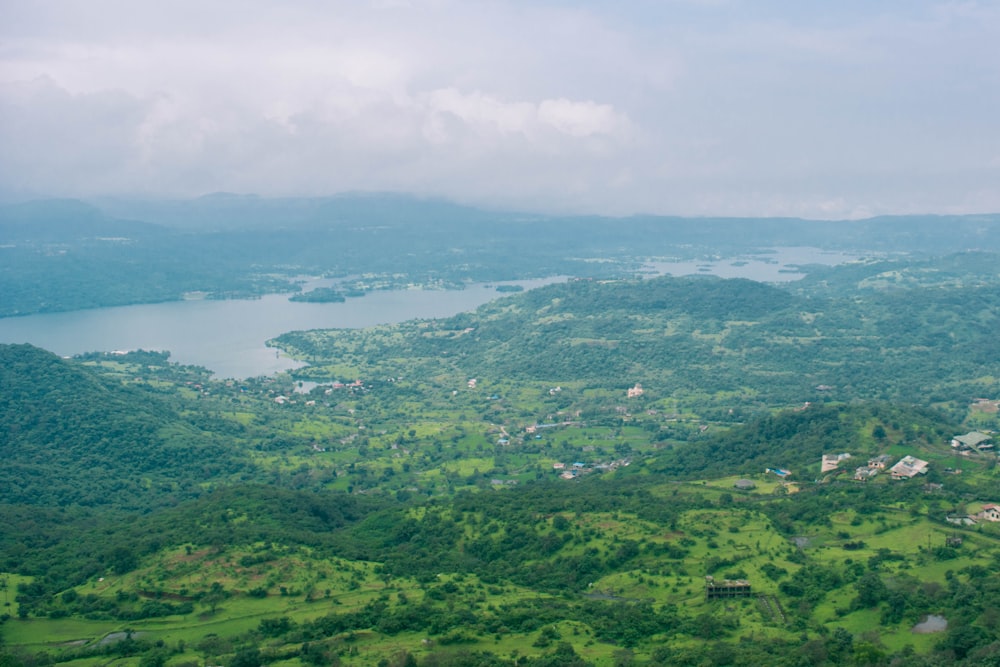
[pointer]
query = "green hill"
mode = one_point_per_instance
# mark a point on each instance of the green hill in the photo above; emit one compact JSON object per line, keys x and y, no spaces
{"x":72,"y":436}
{"x":797,"y":439}
{"x":720,"y":344}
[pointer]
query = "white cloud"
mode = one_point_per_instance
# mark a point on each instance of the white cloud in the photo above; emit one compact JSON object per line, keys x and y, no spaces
{"x":483,"y":111}
{"x":487,"y":113}
{"x":673,"y":107}
{"x":580,"y":119}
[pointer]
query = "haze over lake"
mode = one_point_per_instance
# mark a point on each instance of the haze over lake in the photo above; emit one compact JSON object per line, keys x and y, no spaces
{"x":228,"y":337}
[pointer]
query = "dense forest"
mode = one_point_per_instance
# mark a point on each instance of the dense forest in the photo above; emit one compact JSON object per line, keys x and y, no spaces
{"x":613,"y":471}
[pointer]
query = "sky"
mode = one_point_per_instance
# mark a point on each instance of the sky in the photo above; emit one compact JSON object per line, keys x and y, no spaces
{"x":803,"y":108}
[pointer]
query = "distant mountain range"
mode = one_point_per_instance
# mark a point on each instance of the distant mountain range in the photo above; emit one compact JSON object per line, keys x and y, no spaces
{"x":64,"y":254}
{"x":231,"y":212}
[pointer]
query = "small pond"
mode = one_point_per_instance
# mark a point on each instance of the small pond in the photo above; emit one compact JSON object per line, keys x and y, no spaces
{"x":932,"y":623}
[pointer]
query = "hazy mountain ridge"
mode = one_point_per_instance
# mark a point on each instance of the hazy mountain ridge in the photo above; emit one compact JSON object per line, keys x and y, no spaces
{"x":68,"y":221}
{"x":65,"y":255}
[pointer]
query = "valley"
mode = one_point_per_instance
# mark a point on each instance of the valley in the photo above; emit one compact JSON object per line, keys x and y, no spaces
{"x":425,"y":333}
{"x":559,"y":477}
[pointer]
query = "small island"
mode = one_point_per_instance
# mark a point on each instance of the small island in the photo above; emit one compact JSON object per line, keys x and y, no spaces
{"x":319,"y":295}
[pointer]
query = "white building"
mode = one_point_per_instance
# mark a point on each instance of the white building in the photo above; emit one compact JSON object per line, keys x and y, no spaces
{"x":990,"y":512}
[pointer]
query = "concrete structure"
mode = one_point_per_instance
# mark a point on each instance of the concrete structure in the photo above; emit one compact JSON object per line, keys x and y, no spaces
{"x":879,"y":462}
{"x":832,"y":461}
{"x":909,"y":467}
{"x":865,"y":473}
{"x":962,"y":520}
{"x":726,"y":588}
{"x":972,"y":440}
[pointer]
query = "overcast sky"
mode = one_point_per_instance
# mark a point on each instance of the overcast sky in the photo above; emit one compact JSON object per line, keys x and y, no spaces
{"x":691,"y":107}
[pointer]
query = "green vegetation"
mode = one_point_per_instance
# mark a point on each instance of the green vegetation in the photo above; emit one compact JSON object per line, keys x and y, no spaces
{"x":546,"y":481}
{"x":320,"y":295}
{"x":78,"y":438}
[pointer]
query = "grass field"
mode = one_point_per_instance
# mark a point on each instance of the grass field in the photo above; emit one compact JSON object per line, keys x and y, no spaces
{"x":8,"y":591}
{"x":727,"y":537}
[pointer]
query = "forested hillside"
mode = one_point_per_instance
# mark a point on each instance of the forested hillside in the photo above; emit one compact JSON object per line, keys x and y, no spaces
{"x":606,"y":472}
{"x":75,"y":437}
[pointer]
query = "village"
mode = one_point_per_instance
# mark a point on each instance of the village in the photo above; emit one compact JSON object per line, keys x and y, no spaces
{"x":908,"y":467}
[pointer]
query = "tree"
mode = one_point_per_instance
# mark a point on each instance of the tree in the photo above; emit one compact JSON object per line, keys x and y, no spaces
{"x":248,"y":656}
{"x":122,"y":560}
{"x":962,"y":639}
{"x":840,"y":645}
{"x":871,"y":591}
{"x":563,"y":656}
{"x":214,"y":597}
{"x":867,"y":653}
{"x":156,"y":657}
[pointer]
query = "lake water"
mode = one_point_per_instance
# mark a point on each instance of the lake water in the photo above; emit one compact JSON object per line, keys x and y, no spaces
{"x":228,"y":337}
{"x":777,"y":266}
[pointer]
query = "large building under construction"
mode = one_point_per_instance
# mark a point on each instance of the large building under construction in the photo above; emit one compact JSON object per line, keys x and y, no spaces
{"x":726,"y":588}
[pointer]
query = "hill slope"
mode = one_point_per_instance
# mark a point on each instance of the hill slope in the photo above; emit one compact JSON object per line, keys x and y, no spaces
{"x":750,"y":344}
{"x":71,"y":436}
{"x":797,"y":439}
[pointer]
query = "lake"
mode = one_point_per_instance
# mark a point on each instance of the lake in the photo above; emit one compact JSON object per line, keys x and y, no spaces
{"x":778,"y":266}
{"x":227,"y":337}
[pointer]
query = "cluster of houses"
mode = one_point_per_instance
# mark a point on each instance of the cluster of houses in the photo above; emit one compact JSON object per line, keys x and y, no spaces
{"x":875,"y":465}
{"x":907,"y":467}
{"x":578,"y":468}
{"x":307,"y":387}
